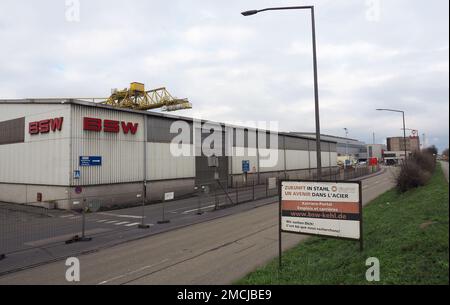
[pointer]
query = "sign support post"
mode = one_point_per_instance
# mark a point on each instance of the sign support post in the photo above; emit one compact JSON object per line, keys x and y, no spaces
{"x":167,"y":196}
{"x":280,"y":250}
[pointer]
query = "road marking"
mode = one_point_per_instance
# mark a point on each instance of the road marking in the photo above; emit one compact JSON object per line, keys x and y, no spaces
{"x":111,"y":221}
{"x":103,"y":220}
{"x":132,"y":224}
{"x":179,"y":209}
{"x":207,"y":207}
{"x":132,"y":272}
{"x":121,"y":216}
{"x":121,"y":223}
{"x":65,"y":216}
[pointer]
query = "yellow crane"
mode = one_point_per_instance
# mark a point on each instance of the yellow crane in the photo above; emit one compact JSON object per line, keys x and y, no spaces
{"x":137,"y":98}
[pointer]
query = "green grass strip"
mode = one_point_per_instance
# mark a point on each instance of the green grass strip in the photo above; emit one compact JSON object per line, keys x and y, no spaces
{"x":407,"y":232}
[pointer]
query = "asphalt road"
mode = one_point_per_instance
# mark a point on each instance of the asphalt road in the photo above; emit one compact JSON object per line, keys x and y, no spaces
{"x":218,"y":251}
{"x":444,"y":166}
{"x":31,"y":236}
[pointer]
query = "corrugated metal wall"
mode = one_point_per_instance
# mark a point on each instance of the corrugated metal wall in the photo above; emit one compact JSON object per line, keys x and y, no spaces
{"x":41,"y":158}
{"x":240,"y":154}
{"x":297,"y":159}
{"x":161,"y":164}
{"x":122,"y":154}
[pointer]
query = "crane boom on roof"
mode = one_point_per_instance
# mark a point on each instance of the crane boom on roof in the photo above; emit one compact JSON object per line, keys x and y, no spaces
{"x":137,"y":98}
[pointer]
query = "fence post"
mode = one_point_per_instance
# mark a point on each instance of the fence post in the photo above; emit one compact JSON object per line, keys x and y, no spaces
{"x":267,"y":187}
{"x":83,"y":223}
{"x":199,"y":203}
{"x":253,"y":196}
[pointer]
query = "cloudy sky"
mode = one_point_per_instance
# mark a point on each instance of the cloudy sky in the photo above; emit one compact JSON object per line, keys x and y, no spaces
{"x":372,"y":54}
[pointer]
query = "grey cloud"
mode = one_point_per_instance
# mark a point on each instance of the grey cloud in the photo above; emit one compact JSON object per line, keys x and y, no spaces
{"x":236,"y":68}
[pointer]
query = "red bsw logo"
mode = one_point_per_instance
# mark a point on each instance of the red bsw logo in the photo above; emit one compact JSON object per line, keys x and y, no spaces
{"x":92,"y":124}
{"x":45,"y":126}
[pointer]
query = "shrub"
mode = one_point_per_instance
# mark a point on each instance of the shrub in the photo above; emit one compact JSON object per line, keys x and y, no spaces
{"x":426,"y":160}
{"x":411,"y":176}
{"x":432,"y":150}
{"x":416,"y":171}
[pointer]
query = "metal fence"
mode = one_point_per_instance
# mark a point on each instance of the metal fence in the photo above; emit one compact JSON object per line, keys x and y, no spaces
{"x":251,"y":190}
{"x":25,"y":228}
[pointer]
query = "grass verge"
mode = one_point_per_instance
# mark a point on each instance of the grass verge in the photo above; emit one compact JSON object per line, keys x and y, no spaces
{"x":407,"y":232}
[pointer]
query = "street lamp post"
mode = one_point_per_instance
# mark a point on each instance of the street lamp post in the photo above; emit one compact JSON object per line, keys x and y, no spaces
{"x":404,"y":127}
{"x":346,"y":147}
{"x":316,"y":86}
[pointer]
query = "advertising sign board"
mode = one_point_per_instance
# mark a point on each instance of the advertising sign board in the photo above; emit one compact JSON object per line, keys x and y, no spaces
{"x":321,"y":208}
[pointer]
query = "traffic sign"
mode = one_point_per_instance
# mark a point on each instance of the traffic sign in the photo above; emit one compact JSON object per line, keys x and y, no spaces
{"x":78,"y":189}
{"x":90,"y":160}
{"x":245,"y":166}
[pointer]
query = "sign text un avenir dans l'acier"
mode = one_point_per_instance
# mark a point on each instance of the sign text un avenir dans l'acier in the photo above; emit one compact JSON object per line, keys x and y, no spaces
{"x":321,"y":208}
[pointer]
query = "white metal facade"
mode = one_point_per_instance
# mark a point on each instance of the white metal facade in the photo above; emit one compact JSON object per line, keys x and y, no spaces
{"x":41,"y":158}
{"x":122,"y":154}
{"x":51,"y":159}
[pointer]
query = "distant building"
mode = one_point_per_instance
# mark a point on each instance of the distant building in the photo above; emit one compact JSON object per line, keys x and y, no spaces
{"x":352,"y":149}
{"x":397,"y":144}
{"x":394,"y":157}
{"x":376,"y":151}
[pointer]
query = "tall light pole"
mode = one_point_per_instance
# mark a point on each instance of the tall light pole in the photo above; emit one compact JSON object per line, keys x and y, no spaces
{"x":404,"y":127}
{"x":316,"y":86}
{"x":346,"y":146}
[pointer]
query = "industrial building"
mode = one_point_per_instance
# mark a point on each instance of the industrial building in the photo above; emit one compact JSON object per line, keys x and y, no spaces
{"x":346,"y":148}
{"x":58,"y":151}
{"x":398,"y":144}
{"x":376,"y":151}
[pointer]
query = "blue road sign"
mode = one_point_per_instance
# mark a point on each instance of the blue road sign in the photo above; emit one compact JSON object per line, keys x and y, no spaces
{"x":90,"y":161}
{"x":76,"y":174}
{"x":245,"y":166}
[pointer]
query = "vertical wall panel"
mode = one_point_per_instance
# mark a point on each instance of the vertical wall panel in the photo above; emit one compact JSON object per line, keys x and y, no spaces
{"x":41,"y":158}
{"x":313,"y":159}
{"x":325,"y":158}
{"x":297,"y":159}
{"x":163,"y":165}
{"x":276,"y":155}
{"x":240,"y":154}
{"x":333,"y":157}
{"x":122,"y":154}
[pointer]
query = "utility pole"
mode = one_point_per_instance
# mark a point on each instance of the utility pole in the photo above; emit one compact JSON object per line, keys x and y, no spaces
{"x":346,"y":147}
